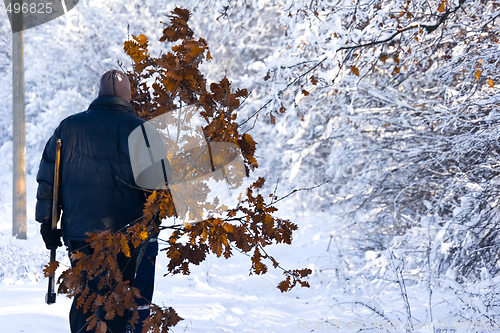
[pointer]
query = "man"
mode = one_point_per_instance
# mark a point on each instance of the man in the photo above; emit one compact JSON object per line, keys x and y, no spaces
{"x":98,"y":190}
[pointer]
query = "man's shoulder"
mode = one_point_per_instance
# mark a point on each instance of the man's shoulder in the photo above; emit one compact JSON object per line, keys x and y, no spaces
{"x":108,"y":110}
{"x":72,"y":118}
{"x":93,"y":112}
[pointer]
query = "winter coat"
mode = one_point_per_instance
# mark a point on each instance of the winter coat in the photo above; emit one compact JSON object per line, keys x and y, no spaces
{"x":97,"y":187}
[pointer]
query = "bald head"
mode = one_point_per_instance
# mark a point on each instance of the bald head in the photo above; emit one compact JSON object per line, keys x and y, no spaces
{"x":115,"y":83}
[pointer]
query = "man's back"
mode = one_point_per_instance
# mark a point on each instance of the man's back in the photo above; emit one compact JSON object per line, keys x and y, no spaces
{"x":98,"y":190}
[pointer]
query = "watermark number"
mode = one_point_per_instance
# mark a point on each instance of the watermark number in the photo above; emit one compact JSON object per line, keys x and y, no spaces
{"x":33,"y":8}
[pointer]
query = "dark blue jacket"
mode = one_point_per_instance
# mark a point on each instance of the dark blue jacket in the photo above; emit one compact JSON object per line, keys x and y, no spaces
{"x":97,"y":187}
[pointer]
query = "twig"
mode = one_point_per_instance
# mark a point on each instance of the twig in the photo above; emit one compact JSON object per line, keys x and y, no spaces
{"x":301,"y":189}
{"x":402,"y":286}
{"x":275,"y":189}
{"x":429,"y":28}
{"x":284,"y":89}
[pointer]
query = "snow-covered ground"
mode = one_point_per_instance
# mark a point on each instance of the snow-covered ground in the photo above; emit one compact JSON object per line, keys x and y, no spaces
{"x":220,"y":296}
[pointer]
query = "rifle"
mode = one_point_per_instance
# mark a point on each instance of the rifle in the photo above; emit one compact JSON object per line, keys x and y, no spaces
{"x":50,"y":298}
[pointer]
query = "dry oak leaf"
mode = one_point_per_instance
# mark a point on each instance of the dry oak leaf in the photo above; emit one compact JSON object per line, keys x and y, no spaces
{"x":355,"y":70}
{"x":442,"y":6}
{"x":478,"y":74}
{"x":50,"y":268}
{"x":259,"y":183}
{"x":284,"y":285}
{"x":273,"y":119}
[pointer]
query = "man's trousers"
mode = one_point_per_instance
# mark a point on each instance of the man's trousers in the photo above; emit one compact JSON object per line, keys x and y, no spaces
{"x":77,"y":318}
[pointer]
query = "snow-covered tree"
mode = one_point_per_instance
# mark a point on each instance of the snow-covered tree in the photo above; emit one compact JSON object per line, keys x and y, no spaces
{"x":390,"y":106}
{"x":393,"y":103}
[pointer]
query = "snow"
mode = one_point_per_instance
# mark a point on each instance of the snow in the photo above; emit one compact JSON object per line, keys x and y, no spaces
{"x":218,"y":296}
{"x":22,"y":309}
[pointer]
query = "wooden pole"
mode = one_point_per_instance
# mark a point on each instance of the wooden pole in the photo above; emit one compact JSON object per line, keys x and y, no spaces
{"x":19,"y":133}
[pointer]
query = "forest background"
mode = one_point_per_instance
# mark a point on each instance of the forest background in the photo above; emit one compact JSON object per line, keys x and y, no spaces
{"x":382,"y":113}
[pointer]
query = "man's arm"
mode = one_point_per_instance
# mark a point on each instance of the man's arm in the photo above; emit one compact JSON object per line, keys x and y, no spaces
{"x":45,"y":180}
{"x":44,"y":195}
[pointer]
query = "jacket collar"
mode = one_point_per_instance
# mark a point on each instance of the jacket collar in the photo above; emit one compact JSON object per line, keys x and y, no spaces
{"x":112,"y":102}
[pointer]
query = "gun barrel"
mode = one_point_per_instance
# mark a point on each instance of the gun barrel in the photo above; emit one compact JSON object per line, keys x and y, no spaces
{"x":55,"y":194}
